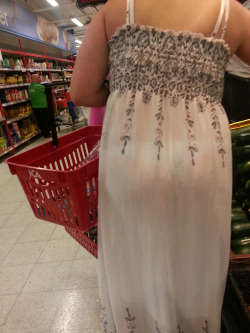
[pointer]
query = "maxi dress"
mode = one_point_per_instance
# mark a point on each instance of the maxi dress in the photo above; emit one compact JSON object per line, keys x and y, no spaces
{"x":165,"y":184}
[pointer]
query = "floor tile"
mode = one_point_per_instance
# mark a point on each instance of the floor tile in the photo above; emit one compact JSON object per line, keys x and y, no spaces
{"x":11,"y":235}
{"x":79,"y":311}
{"x":82,"y":253}
{"x":9,"y":207}
{"x":13,"y":278}
{"x":83,"y":274}
{"x":60,"y":233}
{"x":16,"y":195}
{"x":24,"y":253}
{"x":4,"y":250}
{"x":24,"y":207}
{"x":35,"y":233}
{"x":59,"y":249}
{"x":4,"y":219}
{"x":48,"y":276}
{"x":18,"y":220}
{"x":33,"y":313}
{"x":6,"y":303}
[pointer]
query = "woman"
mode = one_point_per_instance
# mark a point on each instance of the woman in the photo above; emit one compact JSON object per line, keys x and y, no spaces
{"x":165,"y":173}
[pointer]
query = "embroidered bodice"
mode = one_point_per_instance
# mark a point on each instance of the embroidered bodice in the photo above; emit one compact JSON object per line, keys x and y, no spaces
{"x":167,"y":63}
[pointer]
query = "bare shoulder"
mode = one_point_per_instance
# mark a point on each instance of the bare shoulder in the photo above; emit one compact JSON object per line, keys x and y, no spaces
{"x":114,"y":14}
{"x":238,"y":30}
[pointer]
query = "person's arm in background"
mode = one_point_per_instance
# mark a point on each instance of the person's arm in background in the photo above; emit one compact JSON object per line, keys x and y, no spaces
{"x":239,"y":28}
{"x":88,"y":87}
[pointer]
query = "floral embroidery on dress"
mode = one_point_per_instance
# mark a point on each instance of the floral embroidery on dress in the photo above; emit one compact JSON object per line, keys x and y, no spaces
{"x":157,"y":328}
{"x":191,"y":137}
{"x":159,"y":131}
{"x":171,"y":65}
{"x":126,"y":135}
{"x":166,"y":63}
{"x":130,"y":322}
{"x":205,"y":329}
{"x":219,"y":138}
{"x":179,"y":329}
{"x":104,"y":321}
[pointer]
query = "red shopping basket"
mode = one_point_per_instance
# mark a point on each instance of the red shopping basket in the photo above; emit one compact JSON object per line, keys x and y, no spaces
{"x":58,"y":185}
{"x":83,"y":240}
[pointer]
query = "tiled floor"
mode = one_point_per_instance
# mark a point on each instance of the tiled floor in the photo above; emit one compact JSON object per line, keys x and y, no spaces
{"x":48,"y":282}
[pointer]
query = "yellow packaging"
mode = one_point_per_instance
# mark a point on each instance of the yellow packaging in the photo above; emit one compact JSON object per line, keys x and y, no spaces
{"x":3,"y":145}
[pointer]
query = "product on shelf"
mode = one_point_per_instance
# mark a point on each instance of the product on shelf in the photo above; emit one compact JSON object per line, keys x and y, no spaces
{"x":17,"y":119}
{"x":3,"y":145}
{"x":28,"y":127}
{"x":19,"y":64}
{"x":2,"y":79}
{"x":6,"y":62}
{"x":240,"y":236}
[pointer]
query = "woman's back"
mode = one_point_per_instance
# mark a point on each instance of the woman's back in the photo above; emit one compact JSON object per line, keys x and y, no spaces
{"x":193,"y":15}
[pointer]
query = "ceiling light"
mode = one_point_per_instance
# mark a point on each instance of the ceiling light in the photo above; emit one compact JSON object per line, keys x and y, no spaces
{"x":77,"y":22}
{"x":78,"y":41}
{"x":52,"y":3}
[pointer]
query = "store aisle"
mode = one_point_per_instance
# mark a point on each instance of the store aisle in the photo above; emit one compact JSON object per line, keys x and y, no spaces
{"x":48,"y":282}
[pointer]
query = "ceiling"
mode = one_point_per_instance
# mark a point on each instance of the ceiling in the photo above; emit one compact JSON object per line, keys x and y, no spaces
{"x":61,"y":15}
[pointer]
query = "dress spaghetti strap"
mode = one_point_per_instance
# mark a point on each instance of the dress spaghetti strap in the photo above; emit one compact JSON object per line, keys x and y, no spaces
{"x":130,"y":12}
{"x":224,"y":11}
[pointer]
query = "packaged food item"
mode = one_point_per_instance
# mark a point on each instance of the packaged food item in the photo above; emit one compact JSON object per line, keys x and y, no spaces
{"x":11,"y":113}
{"x":21,"y":111}
{"x":28,"y":108}
{"x":6,"y":63}
{"x":13,"y":95}
{"x":19,"y":79}
{"x":17,"y":64}
{"x":2,"y":80}
{"x":25,"y":79}
{"x":16,"y":129}
{"x":12,"y":63}
{"x":25,"y":91}
{"x":3,"y":145}
{"x":7,"y":96}
{"x":18,"y":95}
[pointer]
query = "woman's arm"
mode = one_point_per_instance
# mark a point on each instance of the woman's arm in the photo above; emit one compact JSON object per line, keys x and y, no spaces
{"x":240,"y":28}
{"x":91,"y":68}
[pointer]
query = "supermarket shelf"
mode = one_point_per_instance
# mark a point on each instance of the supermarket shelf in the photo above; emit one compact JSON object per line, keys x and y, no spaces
{"x":43,"y":70}
{"x":58,"y":80}
{"x":13,"y":70}
{"x":13,"y":120}
{"x":6,"y":151}
{"x":2,"y":119}
{"x":14,"y":103}
{"x":15,"y":85}
{"x":26,"y":139}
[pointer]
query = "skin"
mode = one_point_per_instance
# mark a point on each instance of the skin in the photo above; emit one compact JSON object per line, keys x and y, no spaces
{"x":35,"y":78}
{"x":91,"y":67}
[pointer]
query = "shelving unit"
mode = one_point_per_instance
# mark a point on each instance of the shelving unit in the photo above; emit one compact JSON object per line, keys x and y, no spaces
{"x":16,"y":111}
